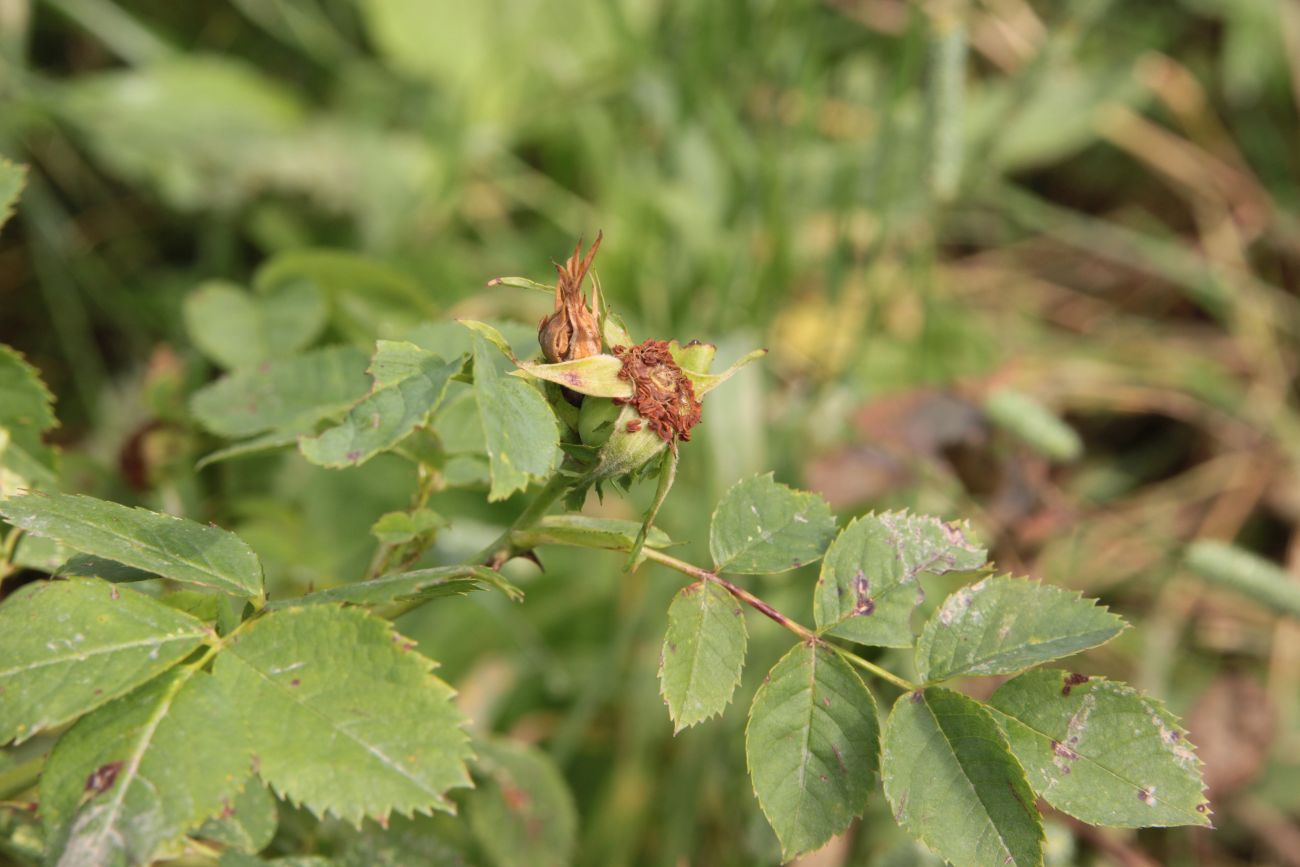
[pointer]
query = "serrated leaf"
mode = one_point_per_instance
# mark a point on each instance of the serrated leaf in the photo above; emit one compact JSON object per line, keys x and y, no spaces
{"x":1039,"y":427}
{"x":761,"y":527}
{"x":1004,"y":625}
{"x":286,"y":394}
{"x":868,"y":584}
{"x":954,"y":784}
{"x":812,"y":745}
{"x":521,"y":433}
{"x":236,"y":328}
{"x":247,"y":823}
{"x":26,"y":413}
{"x":141,"y":771}
{"x":345,"y":715}
{"x":409,"y":383}
{"x":12,"y":178}
{"x":1102,"y":752}
{"x":165,"y":545}
{"x":703,"y":653}
{"x":585,"y":531}
{"x":420,"y":585}
{"x":67,"y":647}
{"x":521,"y":812}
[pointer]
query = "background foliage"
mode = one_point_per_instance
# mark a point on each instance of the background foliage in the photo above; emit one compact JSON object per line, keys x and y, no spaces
{"x":1033,"y":264}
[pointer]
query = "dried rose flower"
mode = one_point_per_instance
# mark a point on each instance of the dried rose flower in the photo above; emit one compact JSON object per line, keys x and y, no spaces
{"x":573,"y":330}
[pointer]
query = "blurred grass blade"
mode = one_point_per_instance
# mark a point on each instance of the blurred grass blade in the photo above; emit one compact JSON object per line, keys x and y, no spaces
{"x":1249,"y":574}
{"x":947,"y":99}
{"x":1039,"y":427}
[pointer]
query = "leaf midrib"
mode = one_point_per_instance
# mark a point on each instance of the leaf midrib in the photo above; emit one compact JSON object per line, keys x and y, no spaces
{"x":112,"y":648}
{"x":969,"y":782}
{"x":1089,"y":759}
{"x":205,"y":567}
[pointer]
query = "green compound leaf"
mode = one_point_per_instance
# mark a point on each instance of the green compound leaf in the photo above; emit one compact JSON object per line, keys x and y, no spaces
{"x":289,"y":394}
{"x":236,"y":328}
{"x":1102,"y":752}
{"x":246,"y":823}
{"x":954,"y":784}
{"x":812,"y":745}
{"x":409,"y":384}
{"x":587,"y":532}
{"x":1004,"y":625}
{"x":521,"y":811}
{"x":165,"y":545}
{"x":703,"y":653}
{"x":868,"y":585}
{"x":141,"y":771}
{"x":521,"y":432}
{"x":761,"y":527}
{"x":67,"y":647}
{"x":1039,"y":427}
{"x":420,"y":585}
{"x":345,"y":716}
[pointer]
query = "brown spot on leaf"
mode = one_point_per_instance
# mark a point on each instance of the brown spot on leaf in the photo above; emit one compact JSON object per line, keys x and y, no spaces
{"x":102,"y":778}
{"x":1071,"y":681}
{"x":864,"y":605}
{"x":294,"y":682}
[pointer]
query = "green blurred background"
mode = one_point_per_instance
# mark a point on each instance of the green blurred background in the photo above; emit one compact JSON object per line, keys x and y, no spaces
{"x":1031,"y":263}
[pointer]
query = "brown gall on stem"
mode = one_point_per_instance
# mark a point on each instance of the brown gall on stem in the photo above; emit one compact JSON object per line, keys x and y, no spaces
{"x":573,"y":330}
{"x":661,"y":393}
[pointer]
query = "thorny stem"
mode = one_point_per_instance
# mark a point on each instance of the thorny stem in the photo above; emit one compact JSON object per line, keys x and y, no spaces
{"x":767,"y":610}
{"x":505,"y":546}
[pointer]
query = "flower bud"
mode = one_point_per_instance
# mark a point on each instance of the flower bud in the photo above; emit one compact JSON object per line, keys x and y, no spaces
{"x":596,"y":420}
